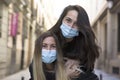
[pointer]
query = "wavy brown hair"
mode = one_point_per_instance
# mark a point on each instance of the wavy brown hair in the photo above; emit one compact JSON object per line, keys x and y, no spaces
{"x":85,"y":45}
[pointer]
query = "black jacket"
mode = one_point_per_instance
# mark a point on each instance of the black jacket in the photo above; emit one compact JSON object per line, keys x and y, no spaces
{"x":87,"y":76}
{"x":48,"y":75}
{"x":82,"y":76}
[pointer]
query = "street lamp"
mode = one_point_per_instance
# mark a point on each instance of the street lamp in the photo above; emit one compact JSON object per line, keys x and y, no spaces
{"x":109,"y":3}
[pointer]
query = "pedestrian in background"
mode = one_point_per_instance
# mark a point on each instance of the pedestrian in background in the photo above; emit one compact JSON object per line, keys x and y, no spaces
{"x":73,"y":28}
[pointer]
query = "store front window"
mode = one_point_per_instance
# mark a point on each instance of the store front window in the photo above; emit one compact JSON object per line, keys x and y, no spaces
{"x":0,"y":26}
{"x":119,"y":33}
{"x":0,"y":21}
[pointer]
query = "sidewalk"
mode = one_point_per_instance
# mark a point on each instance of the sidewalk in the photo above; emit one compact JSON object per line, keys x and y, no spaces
{"x":25,"y":75}
{"x":22,"y":75}
{"x":105,"y":76}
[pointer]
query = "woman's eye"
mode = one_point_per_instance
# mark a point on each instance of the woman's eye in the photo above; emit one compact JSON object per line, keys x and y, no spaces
{"x":53,"y":46}
{"x":44,"y":46}
{"x":75,"y":24}
{"x":68,"y":20}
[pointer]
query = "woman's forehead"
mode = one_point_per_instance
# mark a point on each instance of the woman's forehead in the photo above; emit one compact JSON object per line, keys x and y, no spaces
{"x":49,"y":39}
{"x":73,"y":14}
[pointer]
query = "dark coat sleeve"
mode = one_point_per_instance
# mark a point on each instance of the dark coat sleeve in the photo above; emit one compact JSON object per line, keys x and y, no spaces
{"x":49,"y":76}
{"x":87,"y":76}
{"x":31,"y":71}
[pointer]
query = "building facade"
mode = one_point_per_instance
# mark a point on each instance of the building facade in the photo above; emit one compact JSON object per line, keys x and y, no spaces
{"x":49,"y":17}
{"x":21,"y":22}
{"x":106,"y":25}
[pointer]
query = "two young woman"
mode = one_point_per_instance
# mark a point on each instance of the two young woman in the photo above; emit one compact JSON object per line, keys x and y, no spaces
{"x":48,"y":62}
{"x":76,"y":38}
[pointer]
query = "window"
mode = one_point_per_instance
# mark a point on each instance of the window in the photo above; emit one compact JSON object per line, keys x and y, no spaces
{"x":115,"y":70}
{"x":0,"y":21}
{"x":25,"y":28}
{"x":0,"y":26}
{"x":119,"y":32}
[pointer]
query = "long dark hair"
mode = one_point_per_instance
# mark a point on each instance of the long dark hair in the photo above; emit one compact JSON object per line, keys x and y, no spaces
{"x":84,"y":44}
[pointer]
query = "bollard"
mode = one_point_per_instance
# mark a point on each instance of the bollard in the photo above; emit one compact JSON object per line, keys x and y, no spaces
{"x":101,"y":77}
{"x":22,"y":78}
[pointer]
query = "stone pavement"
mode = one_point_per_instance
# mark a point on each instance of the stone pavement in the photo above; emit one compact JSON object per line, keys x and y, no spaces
{"x":105,"y":76}
{"x":25,"y":75}
{"x":22,"y":75}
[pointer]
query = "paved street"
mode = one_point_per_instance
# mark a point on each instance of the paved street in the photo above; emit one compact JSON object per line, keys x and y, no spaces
{"x":106,"y":76}
{"x":24,"y":75}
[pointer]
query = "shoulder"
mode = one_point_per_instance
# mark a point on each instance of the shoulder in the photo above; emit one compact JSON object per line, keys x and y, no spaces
{"x":88,"y":76}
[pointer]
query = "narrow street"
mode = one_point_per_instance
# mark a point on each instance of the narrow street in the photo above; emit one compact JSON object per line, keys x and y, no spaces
{"x":23,"y":21}
{"x":105,"y":76}
{"x":24,"y":75}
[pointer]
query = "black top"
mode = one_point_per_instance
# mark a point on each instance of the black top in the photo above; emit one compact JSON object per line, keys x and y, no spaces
{"x":50,"y":75}
{"x":83,"y":76}
{"x":87,"y":76}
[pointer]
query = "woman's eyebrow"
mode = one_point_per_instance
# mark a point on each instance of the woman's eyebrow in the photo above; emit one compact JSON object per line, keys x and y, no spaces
{"x":44,"y":43}
{"x":68,"y":17}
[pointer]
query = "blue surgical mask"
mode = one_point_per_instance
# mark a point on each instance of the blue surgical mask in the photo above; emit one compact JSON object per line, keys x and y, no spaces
{"x":48,"y":56}
{"x":68,"y":32}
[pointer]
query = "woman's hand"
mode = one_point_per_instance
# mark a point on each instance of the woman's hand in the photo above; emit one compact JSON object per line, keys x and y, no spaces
{"x":71,"y":68}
